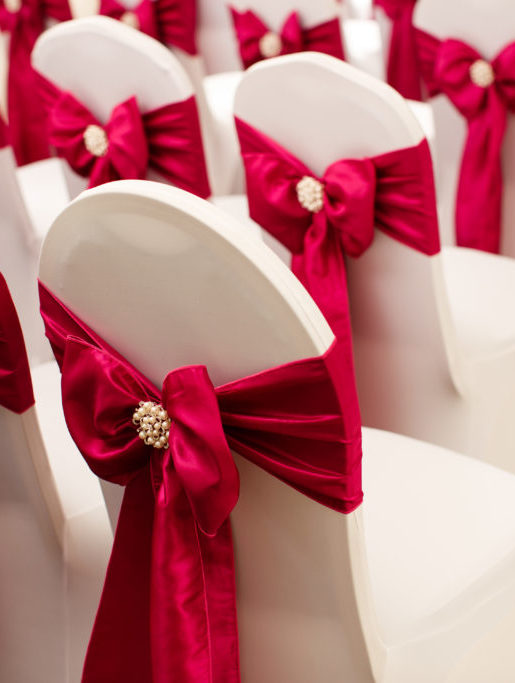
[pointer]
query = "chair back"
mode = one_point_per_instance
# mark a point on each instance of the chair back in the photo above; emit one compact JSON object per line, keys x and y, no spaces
{"x":178,"y":282}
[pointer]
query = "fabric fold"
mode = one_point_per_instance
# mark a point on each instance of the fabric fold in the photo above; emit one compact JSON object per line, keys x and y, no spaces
{"x":173,"y":542}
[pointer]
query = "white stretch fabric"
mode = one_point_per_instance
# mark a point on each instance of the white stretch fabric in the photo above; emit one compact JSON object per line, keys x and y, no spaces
{"x":103,"y":62}
{"x":488,"y":27}
{"x":434,"y":337}
{"x":307,"y":599}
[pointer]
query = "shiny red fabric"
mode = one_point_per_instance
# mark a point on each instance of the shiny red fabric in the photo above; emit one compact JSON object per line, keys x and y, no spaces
{"x":170,"y":21}
{"x":445,"y":67}
{"x":168,"y":608}
{"x":15,"y":381}
{"x":402,"y":71}
{"x":393,"y":192}
{"x":27,"y":132}
{"x":250,"y":28}
{"x":167,"y":139}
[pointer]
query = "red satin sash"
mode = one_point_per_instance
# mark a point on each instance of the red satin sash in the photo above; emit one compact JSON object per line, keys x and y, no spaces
{"x":27,"y":132}
{"x":168,"y":607}
{"x":250,"y":30}
{"x":15,"y":381}
{"x":402,"y":71}
{"x":167,"y":139}
{"x":393,"y":192}
{"x":448,"y":68}
{"x":170,"y":21}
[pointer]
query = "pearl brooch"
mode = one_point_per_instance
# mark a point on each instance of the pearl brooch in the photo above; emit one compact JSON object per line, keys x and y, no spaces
{"x":12,"y":6}
{"x":482,"y":73}
{"x":95,"y":140}
{"x":270,"y":45}
{"x":310,"y":193}
{"x":131,"y":19}
{"x":153,"y":424}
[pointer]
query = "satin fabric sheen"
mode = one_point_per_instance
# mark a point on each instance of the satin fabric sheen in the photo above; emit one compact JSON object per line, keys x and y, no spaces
{"x":402,"y":70}
{"x":172,"y":22}
{"x":15,"y":381}
{"x":393,"y":192}
{"x":167,"y":139}
{"x":445,"y":67}
{"x":27,"y":131}
{"x":250,"y":28}
{"x":168,"y":609}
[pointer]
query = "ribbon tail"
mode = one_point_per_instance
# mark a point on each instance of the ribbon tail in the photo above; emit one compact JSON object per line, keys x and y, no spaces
{"x":321,"y":269}
{"x":119,"y":648}
{"x":27,"y":121}
{"x":403,"y":72}
{"x":194,"y":636}
{"x":479,"y":196}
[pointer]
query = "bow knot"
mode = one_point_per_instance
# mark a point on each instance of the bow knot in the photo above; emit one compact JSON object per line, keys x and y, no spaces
{"x":117,"y":150}
{"x":470,"y":81}
{"x":257,"y":41}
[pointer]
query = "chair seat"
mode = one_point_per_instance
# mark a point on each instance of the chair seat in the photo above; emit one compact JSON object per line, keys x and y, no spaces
{"x":480,"y":282}
{"x":440,"y":542}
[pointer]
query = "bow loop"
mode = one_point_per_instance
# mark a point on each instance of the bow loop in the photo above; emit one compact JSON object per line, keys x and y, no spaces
{"x":257,"y":41}
{"x":103,"y":430}
{"x":350,"y":189}
{"x":199,"y":449}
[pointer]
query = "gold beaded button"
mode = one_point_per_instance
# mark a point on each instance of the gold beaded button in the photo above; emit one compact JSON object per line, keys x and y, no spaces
{"x":131,"y":19}
{"x":310,"y":193}
{"x":482,"y":73}
{"x":270,"y":45}
{"x":153,"y":424}
{"x":95,"y":140}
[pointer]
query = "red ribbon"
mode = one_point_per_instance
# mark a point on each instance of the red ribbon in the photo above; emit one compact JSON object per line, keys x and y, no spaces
{"x":172,"y":22}
{"x":15,"y":381}
{"x":394,"y":192}
{"x":402,"y":72}
{"x":167,"y":139}
{"x":250,"y":29}
{"x":168,"y":606}
{"x":27,"y":129}
{"x":446,"y":68}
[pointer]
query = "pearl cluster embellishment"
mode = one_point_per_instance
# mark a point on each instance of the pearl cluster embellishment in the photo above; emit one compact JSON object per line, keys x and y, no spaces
{"x":310,"y":193}
{"x":131,"y":19}
{"x":270,"y":45}
{"x":482,"y":73}
{"x":153,"y":424}
{"x":95,"y":140}
{"x":12,"y":6}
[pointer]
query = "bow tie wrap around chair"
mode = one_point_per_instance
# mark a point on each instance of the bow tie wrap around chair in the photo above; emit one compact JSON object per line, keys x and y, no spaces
{"x":173,"y":540}
{"x":24,"y":20}
{"x":172,"y":22}
{"x":322,"y":219}
{"x":167,"y":139}
{"x":484,"y":93}
{"x":256,"y":41}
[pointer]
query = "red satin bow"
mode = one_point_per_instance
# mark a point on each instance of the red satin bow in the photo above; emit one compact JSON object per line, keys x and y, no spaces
{"x":482,"y":92}
{"x":170,"y":21}
{"x":167,"y":139}
{"x":15,"y":381}
{"x":393,"y":191}
{"x":27,"y":131}
{"x":251,"y":30}
{"x":168,"y":606}
{"x":402,"y":72}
